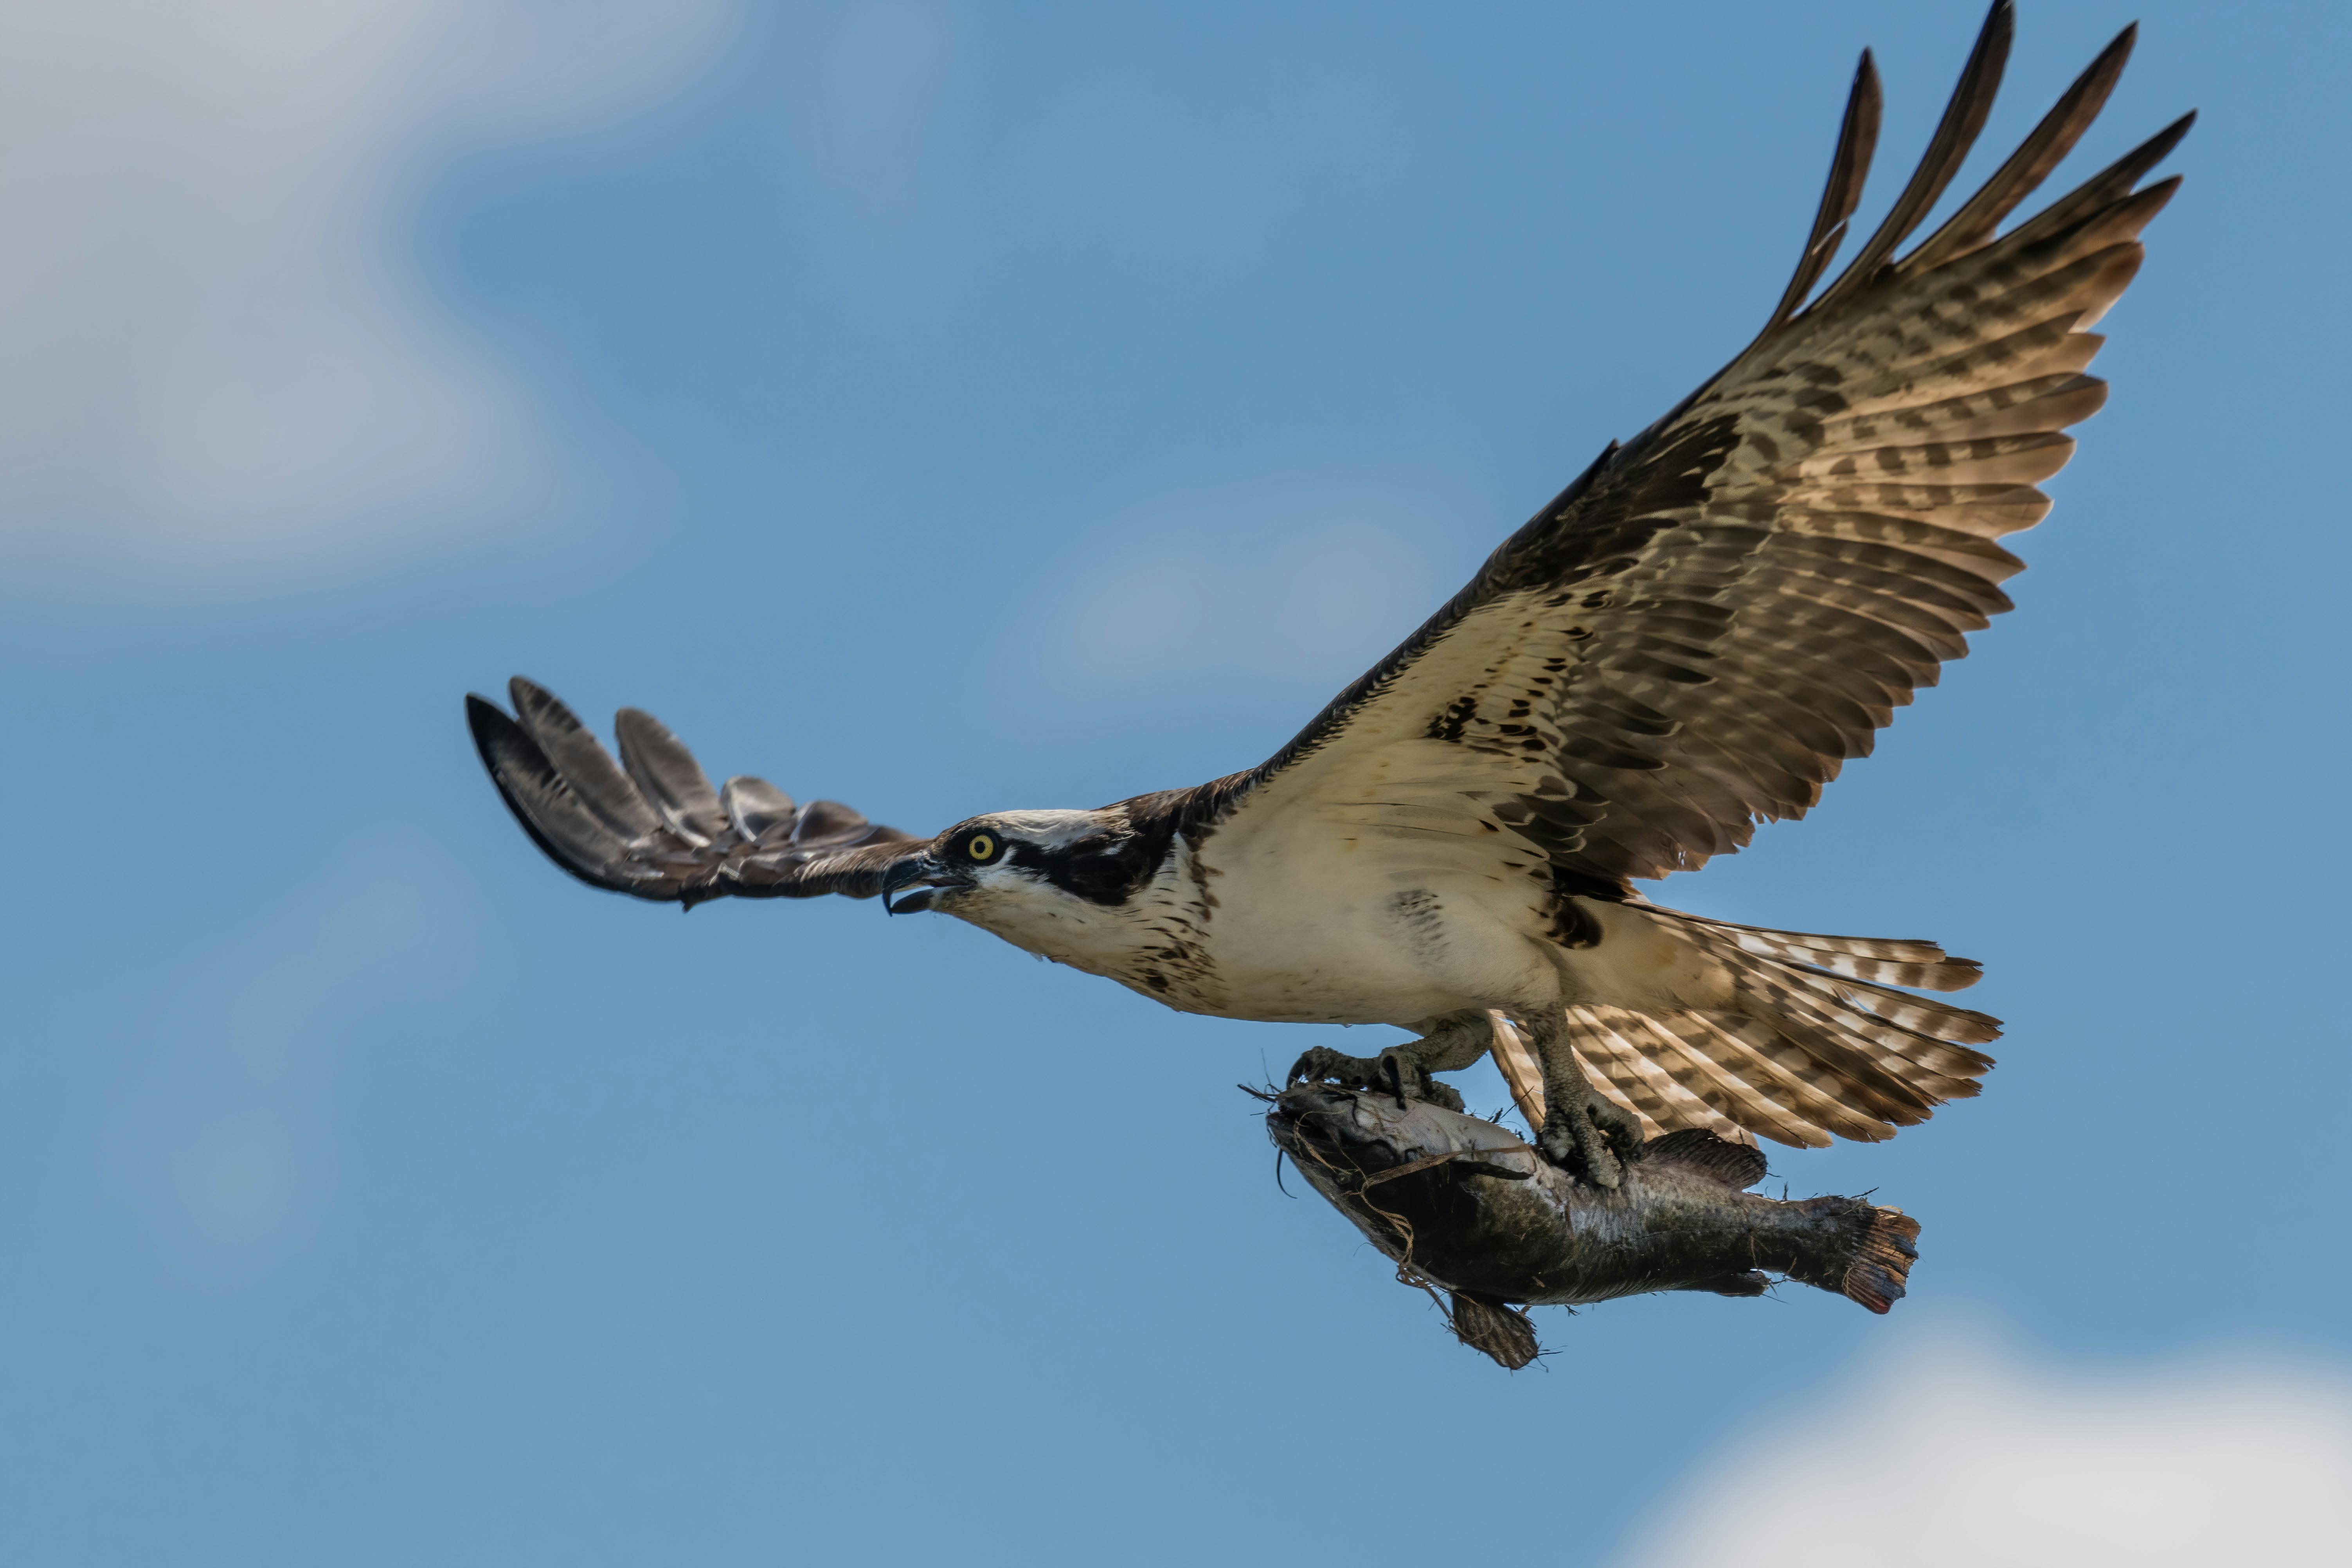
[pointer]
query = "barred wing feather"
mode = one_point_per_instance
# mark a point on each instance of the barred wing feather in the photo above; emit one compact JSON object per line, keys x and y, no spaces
{"x":651,"y":825}
{"x":1700,"y":631}
{"x":1697,"y":633}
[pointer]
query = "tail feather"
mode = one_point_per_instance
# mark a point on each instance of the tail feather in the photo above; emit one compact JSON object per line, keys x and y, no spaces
{"x":1826,"y":1094}
{"x":1925,"y":1013}
{"x":1813,"y":1090}
{"x":1687,"y":1069}
{"x":1888,"y":961}
{"x":1906,"y":1077}
{"x":1869,"y":1003}
{"x":1779,"y":1038}
{"x":1759,"y":1096}
{"x":1717,"y":1078}
{"x":1638,"y":1074}
{"x":1870,"y":1078}
{"x":1923,"y":1052}
{"x":1629,"y":1078}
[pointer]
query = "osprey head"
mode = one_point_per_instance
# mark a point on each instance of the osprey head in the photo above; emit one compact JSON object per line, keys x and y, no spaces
{"x":1009,"y":868}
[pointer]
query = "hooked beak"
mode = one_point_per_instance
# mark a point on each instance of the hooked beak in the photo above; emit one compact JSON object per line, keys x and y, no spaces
{"x":926,"y":875}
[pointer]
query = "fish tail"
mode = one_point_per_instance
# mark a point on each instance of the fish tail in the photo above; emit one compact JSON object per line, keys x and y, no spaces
{"x":1882,"y":1261}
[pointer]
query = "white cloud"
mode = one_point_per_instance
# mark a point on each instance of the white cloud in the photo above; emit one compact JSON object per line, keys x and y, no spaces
{"x":210,"y":353}
{"x":1955,"y":1454}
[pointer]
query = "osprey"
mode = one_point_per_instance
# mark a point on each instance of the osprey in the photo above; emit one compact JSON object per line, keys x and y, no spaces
{"x":1692,"y":637}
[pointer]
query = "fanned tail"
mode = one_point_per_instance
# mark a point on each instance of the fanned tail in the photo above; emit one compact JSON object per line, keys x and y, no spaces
{"x":1790,"y":1035}
{"x":1885,"y":959}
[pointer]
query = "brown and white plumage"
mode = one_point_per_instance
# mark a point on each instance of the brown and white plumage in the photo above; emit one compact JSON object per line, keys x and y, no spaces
{"x":1690,"y":639}
{"x":1698,"y":633}
{"x":653,"y":826}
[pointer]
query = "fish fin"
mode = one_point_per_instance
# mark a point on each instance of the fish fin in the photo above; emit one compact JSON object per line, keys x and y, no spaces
{"x":1488,"y":1324}
{"x":1746,"y":1282}
{"x":1882,"y":1263}
{"x":1739,"y":1166}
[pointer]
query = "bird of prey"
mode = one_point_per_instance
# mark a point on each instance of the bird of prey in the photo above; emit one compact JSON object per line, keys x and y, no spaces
{"x":1690,"y":638}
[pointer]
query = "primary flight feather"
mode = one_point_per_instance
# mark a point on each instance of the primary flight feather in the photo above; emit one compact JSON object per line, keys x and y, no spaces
{"x":1691,"y":638}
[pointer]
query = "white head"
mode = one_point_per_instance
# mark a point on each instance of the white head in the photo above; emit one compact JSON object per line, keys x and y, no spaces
{"x":1046,"y":880}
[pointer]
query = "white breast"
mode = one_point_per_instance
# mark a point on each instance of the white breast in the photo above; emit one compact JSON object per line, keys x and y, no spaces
{"x":1314,"y":921}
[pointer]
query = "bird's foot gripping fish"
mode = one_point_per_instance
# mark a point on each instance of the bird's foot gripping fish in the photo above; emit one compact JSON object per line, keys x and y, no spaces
{"x":1463,"y":1206}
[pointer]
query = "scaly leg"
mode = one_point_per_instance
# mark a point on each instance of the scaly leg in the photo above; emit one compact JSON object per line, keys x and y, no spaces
{"x":1447,"y":1045}
{"x":1591,"y":1137}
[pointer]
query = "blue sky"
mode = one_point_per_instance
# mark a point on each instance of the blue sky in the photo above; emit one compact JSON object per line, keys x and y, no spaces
{"x":955,"y":408}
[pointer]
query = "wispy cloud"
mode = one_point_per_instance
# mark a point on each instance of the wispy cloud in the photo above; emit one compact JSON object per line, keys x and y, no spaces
{"x":1955,"y":1453}
{"x":210,"y":351}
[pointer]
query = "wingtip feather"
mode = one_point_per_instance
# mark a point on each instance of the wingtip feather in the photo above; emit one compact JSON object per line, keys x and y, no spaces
{"x":1956,"y":132}
{"x":1857,"y":143}
{"x":484,"y":719}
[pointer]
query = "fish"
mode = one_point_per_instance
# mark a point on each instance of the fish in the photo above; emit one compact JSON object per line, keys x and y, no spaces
{"x":1463,"y":1206}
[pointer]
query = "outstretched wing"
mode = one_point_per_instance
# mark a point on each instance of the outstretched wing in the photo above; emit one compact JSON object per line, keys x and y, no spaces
{"x":1699,"y":631}
{"x":652,"y":827}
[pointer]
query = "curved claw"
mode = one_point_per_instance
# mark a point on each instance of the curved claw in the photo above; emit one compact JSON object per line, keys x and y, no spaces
{"x":1321,"y":1063}
{"x":1590,"y":1137}
{"x":1617,"y":1126}
{"x":1402,"y":1075}
{"x":1395,"y":1070}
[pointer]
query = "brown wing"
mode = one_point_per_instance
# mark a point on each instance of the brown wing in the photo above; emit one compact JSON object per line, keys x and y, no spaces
{"x":651,"y":825}
{"x":1700,"y":630}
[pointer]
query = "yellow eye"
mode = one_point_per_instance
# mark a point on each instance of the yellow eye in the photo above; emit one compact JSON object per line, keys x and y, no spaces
{"x":980,"y":846}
